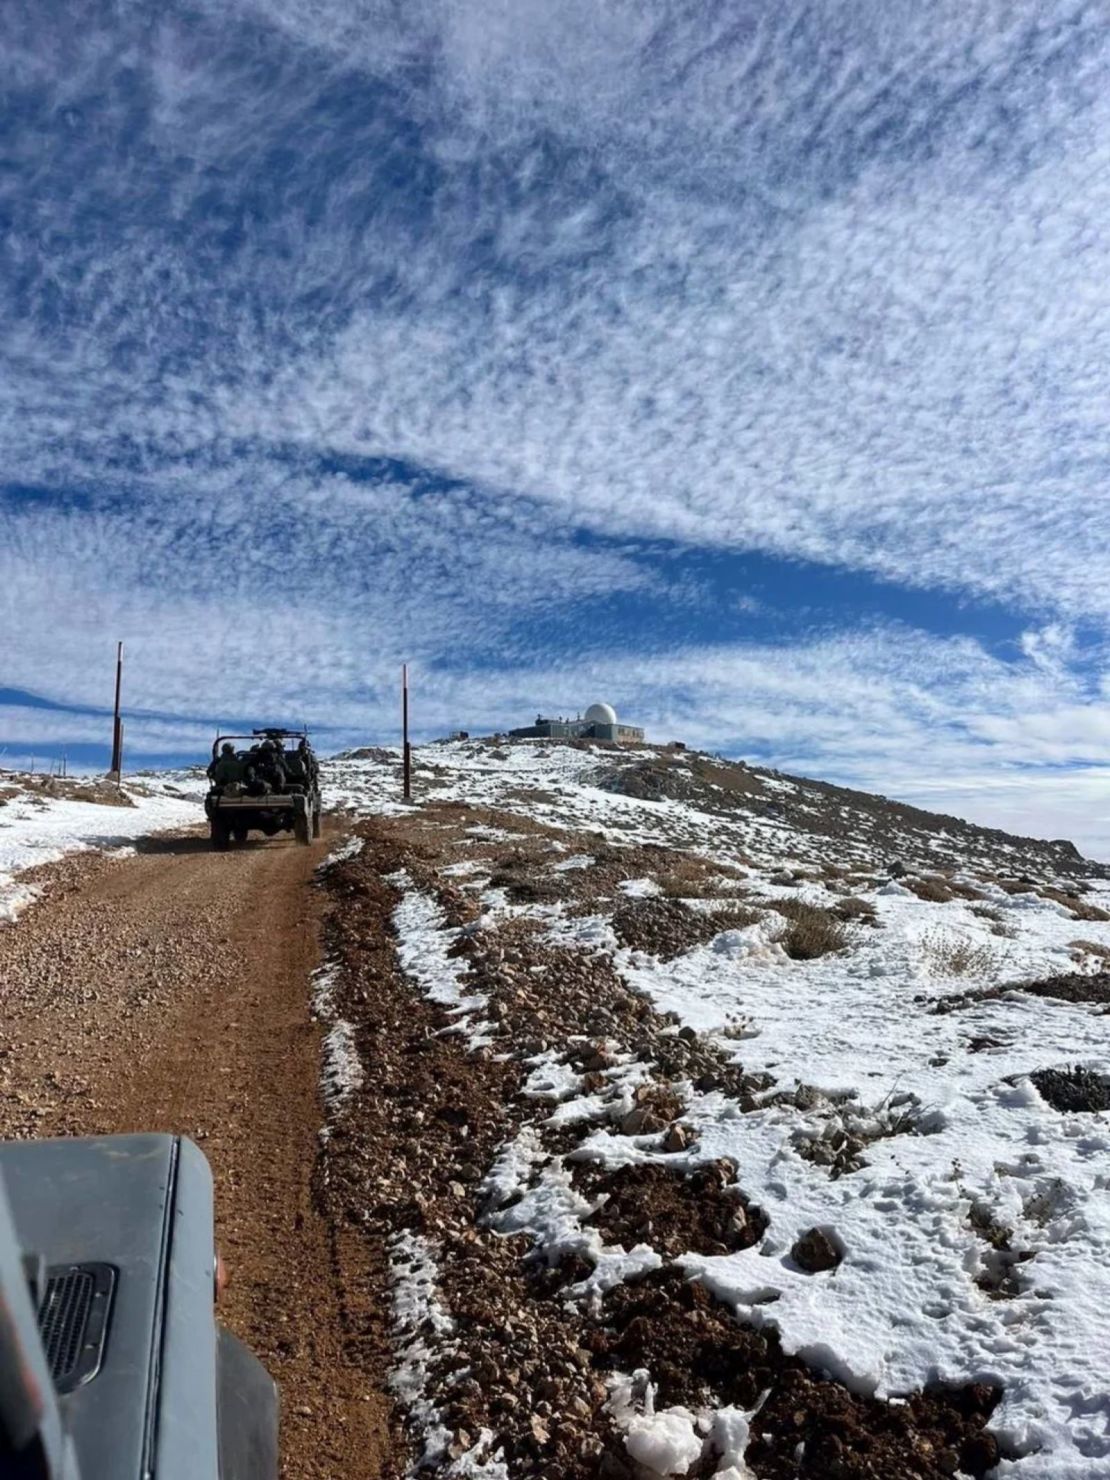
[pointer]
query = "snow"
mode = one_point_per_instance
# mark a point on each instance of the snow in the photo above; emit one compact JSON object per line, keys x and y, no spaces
{"x":665,"y":1443}
{"x":350,"y":848}
{"x":903,"y":1309}
{"x":421,"y":1327}
{"x":424,"y":940}
{"x":640,"y":888}
{"x":36,"y":828}
{"x":551,"y":1212}
{"x":341,"y":1073}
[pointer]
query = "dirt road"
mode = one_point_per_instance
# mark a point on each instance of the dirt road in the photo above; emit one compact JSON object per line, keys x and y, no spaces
{"x":171,"y":991}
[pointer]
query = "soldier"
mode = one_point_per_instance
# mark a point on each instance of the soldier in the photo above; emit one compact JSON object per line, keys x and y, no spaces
{"x":308,"y":761}
{"x":269,"y":765}
{"x":227,"y":767}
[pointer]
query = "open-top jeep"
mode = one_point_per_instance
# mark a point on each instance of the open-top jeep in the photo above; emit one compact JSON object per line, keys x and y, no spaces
{"x":270,"y":784}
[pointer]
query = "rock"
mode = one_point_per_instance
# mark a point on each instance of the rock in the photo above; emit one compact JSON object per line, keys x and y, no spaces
{"x":642,"y":1122}
{"x":540,"y":1431}
{"x":678,"y":1138}
{"x":815,"y":1252}
{"x":459,"y":1444}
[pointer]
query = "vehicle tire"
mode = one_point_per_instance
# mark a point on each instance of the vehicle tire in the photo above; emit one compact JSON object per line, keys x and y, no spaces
{"x":239,"y":832}
{"x":302,"y":822}
{"x":219,"y":834}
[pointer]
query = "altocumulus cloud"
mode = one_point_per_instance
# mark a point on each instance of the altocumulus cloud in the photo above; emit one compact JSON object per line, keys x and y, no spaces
{"x":338,"y":333}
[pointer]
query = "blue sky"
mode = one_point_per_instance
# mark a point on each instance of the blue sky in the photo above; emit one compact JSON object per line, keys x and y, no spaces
{"x":745,"y":366}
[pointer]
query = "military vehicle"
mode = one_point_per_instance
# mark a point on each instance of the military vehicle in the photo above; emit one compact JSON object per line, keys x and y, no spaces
{"x":112,"y":1363}
{"x":270,"y":785}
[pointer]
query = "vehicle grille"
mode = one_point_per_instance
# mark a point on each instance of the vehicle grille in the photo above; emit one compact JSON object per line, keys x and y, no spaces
{"x":73,"y":1321}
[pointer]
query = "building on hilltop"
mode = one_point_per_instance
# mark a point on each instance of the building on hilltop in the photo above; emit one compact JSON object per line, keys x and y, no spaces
{"x":598,"y":723}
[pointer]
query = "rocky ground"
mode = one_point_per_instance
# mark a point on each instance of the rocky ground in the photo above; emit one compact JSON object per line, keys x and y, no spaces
{"x":524,"y":1356}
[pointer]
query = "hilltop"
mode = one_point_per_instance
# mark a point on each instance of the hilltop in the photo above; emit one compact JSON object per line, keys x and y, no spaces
{"x":689,"y":799}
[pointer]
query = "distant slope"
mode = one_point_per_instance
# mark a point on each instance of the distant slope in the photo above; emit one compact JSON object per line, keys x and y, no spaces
{"x":692,"y":800}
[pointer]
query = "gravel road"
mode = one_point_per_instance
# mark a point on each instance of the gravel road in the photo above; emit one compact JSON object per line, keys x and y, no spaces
{"x":170,"y":991}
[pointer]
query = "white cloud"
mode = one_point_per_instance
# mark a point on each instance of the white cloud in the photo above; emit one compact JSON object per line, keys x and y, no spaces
{"x":837,"y":294}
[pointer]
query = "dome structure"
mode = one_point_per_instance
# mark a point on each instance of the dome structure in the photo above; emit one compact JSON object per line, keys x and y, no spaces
{"x":601,"y":714}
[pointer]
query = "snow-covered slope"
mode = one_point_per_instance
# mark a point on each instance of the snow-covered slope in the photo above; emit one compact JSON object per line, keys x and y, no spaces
{"x":932,"y":1080}
{"x":41,"y":819}
{"x":690,"y":800}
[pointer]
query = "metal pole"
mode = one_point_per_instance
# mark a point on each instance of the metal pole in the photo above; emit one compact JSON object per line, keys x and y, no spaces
{"x":405,"y":731}
{"x":117,"y":728}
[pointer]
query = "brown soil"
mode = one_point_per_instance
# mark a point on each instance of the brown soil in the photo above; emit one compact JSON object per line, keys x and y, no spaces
{"x":1073,"y":987}
{"x":69,"y":788}
{"x":703,"y":1213}
{"x":1072,"y":1090}
{"x":697,"y":1353}
{"x":667,"y":928}
{"x":171,"y":992}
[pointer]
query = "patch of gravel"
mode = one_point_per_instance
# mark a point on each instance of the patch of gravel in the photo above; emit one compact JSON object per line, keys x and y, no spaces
{"x":701,"y":1212}
{"x":667,"y":928}
{"x":1073,"y":987}
{"x":1073,"y":1089}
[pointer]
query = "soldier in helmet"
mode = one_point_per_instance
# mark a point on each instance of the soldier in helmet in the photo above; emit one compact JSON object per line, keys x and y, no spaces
{"x":268,"y":767}
{"x":308,"y":761}
{"x":226,"y":767}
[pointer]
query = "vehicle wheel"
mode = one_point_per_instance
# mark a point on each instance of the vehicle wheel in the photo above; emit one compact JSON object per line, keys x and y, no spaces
{"x":219,"y":835}
{"x":239,"y":832}
{"x":302,"y":822}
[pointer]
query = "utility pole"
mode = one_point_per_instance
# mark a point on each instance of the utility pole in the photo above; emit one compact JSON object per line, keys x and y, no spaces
{"x":405,"y":731}
{"x":117,"y":724}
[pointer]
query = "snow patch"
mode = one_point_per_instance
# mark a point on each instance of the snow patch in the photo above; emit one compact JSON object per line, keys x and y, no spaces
{"x":341,"y":1073}
{"x":424,"y":940}
{"x":421,"y":1328}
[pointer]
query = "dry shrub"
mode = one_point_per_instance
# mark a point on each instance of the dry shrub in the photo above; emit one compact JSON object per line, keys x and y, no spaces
{"x":810,"y":931}
{"x":1090,"y":948}
{"x":962,"y":890}
{"x":987,"y":912}
{"x":997,"y":920}
{"x":949,"y":955}
{"x":931,"y":888}
{"x":677,"y":885}
{"x":1014,"y":886}
{"x":851,"y":907}
{"x":1079,"y":908}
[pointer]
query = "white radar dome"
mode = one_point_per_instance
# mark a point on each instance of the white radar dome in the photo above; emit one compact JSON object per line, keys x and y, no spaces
{"x":601,"y":714}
